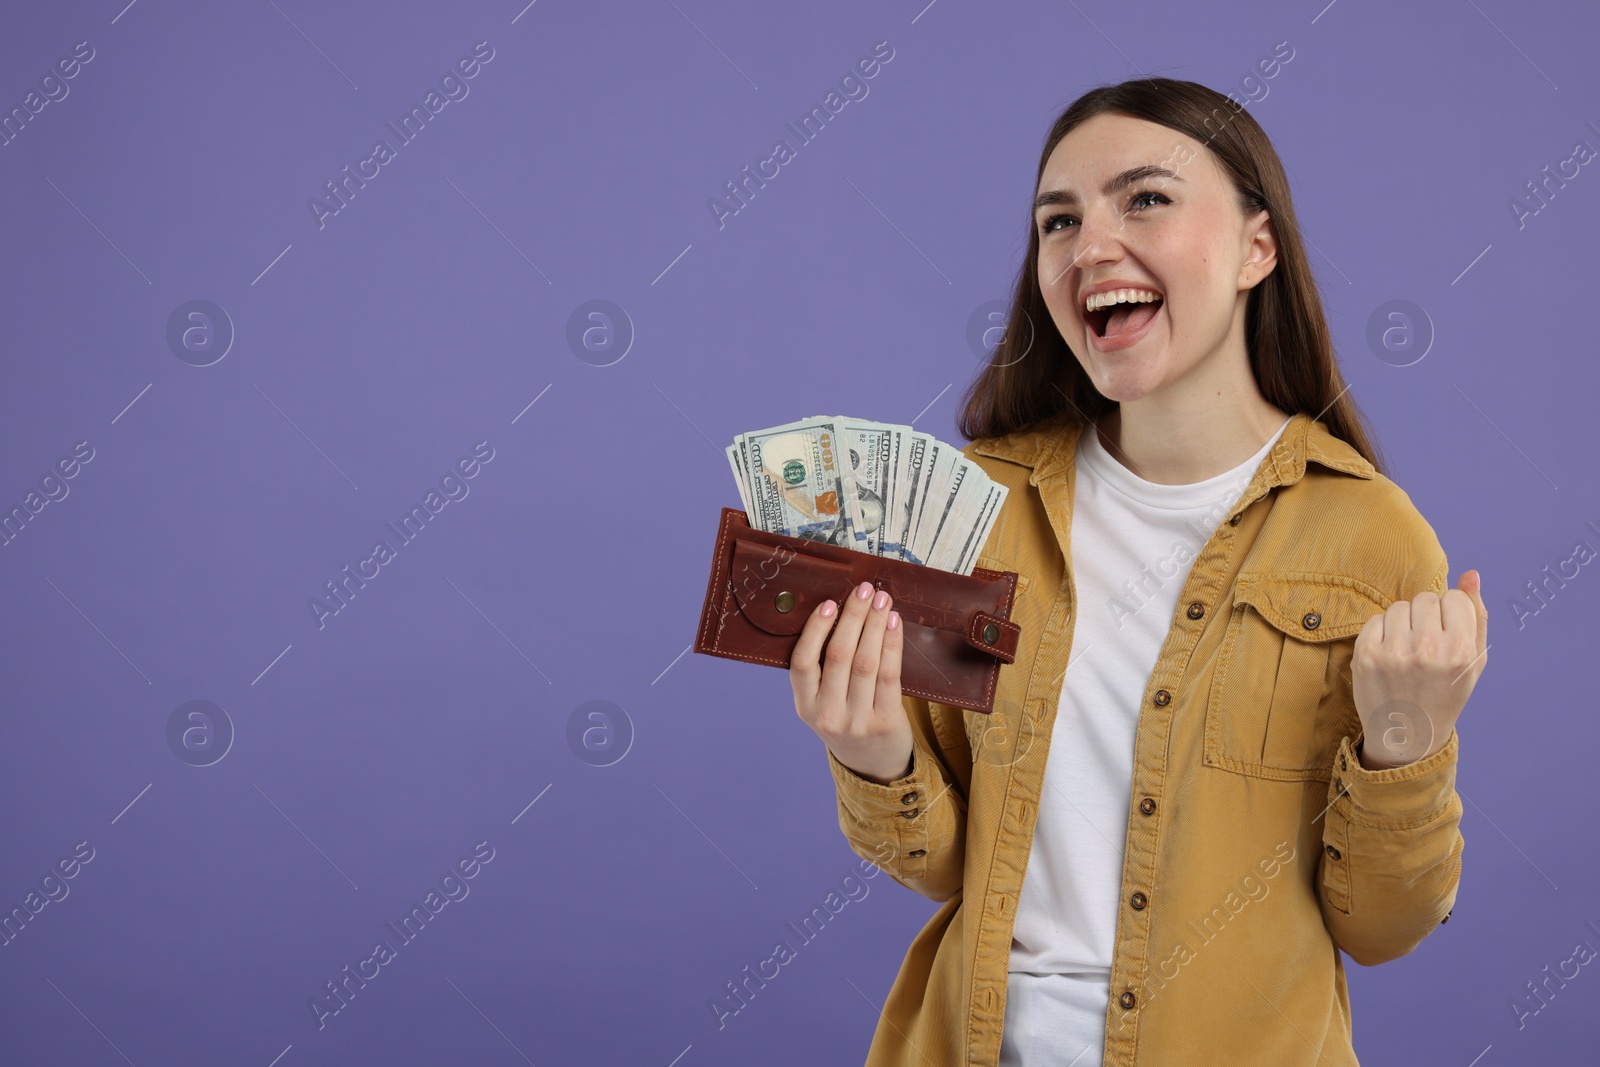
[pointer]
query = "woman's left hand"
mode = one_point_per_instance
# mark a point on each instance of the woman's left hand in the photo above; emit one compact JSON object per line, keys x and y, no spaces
{"x":1413,"y":668}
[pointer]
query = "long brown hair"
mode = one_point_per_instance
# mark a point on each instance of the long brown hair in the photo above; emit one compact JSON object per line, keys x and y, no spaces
{"x":1033,"y":376}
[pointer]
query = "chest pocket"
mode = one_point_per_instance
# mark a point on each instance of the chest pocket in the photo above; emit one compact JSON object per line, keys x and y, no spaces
{"x":1280,"y":695}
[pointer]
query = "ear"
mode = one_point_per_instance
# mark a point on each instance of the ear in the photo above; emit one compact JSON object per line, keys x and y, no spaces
{"x":1259,"y":251}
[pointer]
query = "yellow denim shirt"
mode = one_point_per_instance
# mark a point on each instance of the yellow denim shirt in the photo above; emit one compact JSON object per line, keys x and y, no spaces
{"x":1257,"y":844}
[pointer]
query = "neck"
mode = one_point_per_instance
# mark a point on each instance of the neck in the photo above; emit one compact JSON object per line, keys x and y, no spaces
{"x":1180,"y":450}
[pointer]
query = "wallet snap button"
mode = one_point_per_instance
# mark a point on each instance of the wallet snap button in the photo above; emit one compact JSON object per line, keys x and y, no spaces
{"x":991,"y":633}
{"x":784,"y":601}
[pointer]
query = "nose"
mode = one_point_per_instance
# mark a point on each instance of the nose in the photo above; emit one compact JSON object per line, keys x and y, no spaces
{"x":1098,"y":241}
{"x":1099,"y":236}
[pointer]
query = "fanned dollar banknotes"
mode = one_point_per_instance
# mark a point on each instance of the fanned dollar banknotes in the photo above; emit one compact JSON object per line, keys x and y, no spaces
{"x":874,"y":487}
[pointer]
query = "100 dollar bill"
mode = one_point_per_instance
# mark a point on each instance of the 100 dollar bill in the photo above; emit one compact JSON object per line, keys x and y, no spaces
{"x":881,"y":488}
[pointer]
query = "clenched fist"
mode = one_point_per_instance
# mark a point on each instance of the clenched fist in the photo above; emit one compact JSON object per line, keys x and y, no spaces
{"x":1413,"y":668}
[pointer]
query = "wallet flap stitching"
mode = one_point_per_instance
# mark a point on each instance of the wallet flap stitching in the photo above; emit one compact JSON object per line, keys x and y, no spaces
{"x":762,"y":573}
{"x":1004,"y":646}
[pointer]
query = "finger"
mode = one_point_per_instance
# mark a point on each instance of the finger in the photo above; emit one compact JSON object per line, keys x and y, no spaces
{"x":1426,"y":613}
{"x":841,"y":648}
{"x":869,"y":652}
{"x":805,"y":666}
{"x":887,"y":693}
{"x":1372,"y":632}
{"x":1475,"y":591}
{"x":1397,"y":620}
{"x":1369,"y":641}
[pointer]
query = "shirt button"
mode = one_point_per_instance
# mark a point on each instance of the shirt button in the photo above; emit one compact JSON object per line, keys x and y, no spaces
{"x":912,"y":814}
{"x":1333,"y":853}
{"x":1196,"y":610}
{"x":1311,"y":621}
{"x":1127,"y":1000}
{"x":1138,"y":901}
{"x":918,"y":852}
{"x":909,"y":798}
{"x":1148,"y":806}
{"x":1446,"y":917}
{"x":1235,"y":520}
{"x":1163,"y":698}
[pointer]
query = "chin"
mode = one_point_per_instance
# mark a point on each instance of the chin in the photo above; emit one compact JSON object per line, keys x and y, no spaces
{"x":1129,"y":383}
{"x":1125,"y":395}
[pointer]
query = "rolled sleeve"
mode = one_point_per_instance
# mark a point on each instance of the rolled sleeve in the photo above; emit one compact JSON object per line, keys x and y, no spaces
{"x":1392,"y":847}
{"x":914,"y":828}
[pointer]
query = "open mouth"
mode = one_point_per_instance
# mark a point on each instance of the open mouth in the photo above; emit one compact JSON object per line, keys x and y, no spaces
{"x":1119,"y":319}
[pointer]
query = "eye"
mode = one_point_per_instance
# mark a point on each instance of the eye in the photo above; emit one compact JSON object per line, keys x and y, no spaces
{"x":1138,"y":202}
{"x":1048,"y":225}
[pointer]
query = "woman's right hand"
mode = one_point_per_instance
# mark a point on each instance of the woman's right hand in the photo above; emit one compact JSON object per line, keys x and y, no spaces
{"x":850,"y":693}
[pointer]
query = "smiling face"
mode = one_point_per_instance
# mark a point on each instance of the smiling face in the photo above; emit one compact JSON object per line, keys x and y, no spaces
{"x":1124,"y":202}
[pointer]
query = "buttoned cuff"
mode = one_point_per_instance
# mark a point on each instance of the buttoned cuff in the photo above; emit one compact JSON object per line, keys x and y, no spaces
{"x":1393,"y":798}
{"x":886,"y":807}
{"x":1384,"y":828}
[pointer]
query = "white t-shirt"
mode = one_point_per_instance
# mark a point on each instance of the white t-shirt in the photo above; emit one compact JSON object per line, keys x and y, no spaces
{"x":1133,"y":545}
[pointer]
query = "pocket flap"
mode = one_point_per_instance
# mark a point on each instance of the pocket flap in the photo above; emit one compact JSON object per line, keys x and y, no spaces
{"x":1309,"y":606}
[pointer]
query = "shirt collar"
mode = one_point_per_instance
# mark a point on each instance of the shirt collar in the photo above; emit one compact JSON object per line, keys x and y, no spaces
{"x":1048,"y":449}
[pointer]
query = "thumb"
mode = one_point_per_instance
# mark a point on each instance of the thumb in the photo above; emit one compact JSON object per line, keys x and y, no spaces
{"x":1471,"y":583}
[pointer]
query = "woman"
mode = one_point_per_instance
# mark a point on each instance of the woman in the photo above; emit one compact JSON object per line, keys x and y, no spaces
{"x":1226,"y":749}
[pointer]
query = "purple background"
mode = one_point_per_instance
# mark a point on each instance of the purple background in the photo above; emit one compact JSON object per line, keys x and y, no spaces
{"x":372,"y":352}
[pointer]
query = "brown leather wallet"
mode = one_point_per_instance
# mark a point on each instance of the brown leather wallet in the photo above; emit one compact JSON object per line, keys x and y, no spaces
{"x":764,"y":586}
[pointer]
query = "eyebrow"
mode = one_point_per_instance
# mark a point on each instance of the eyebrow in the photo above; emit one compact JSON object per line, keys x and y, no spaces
{"x":1117,"y":182}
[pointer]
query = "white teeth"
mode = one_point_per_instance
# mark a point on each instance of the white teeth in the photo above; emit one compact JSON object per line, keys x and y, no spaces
{"x":1119,"y":296}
